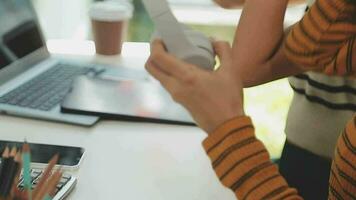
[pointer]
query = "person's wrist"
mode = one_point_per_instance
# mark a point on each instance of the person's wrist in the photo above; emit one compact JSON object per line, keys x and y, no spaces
{"x":221,"y":118}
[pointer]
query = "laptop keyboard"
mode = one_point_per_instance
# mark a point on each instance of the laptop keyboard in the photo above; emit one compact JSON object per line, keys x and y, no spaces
{"x":48,"y":89}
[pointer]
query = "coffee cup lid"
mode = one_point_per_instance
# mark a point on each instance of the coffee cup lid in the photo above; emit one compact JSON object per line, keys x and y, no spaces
{"x":111,"y":10}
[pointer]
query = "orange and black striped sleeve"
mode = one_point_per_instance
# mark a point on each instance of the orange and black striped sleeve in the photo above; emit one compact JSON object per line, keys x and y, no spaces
{"x":325,"y":38}
{"x":343,"y":171}
{"x":242,"y":163}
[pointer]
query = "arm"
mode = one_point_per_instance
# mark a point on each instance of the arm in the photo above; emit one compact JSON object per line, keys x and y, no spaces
{"x":276,"y":67}
{"x":259,"y":19}
{"x":343,"y":176}
{"x":269,"y":61}
{"x":214,"y":97}
{"x":332,"y":48}
{"x":325,"y":38}
{"x":242,"y":162}
{"x":239,"y":159}
{"x":258,"y":56}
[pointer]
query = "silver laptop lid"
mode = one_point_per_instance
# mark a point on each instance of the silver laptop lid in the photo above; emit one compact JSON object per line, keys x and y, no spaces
{"x":21,"y":41}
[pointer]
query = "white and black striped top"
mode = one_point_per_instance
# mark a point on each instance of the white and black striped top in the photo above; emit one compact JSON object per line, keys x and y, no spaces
{"x":323,"y":104}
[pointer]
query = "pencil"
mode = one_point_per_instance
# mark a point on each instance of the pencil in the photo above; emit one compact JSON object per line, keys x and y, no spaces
{"x":13,"y":170}
{"x":5,"y":152}
{"x":14,"y":189}
{"x":26,"y":162}
{"x":46,"y":174}
{"x":49,"y":189}
{"x":52,"y":184}
{"x":5,"y":171}
{"x":4,"y":163}
{"x":8,"y":172}
{"x":19,"y":195}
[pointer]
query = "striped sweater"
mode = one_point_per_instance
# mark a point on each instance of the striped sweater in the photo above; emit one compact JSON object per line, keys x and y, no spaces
{"x":322,"y":102}
{"x":323,"y":38}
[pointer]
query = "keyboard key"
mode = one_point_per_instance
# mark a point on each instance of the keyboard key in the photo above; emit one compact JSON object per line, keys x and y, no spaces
{"x":66,"y":176}
{"x":48,"y":89}
{"x":59,"y":185}
{"x":36,"y":173}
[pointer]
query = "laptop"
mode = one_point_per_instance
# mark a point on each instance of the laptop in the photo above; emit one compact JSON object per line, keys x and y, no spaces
{"x":32,"y":82}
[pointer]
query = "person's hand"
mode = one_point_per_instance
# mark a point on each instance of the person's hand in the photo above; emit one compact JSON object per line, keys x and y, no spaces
{"x":230,"y":4}
{"x":211,"y":97}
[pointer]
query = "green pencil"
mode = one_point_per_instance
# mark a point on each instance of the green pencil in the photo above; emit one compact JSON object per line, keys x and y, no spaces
{"x":26,"y":160}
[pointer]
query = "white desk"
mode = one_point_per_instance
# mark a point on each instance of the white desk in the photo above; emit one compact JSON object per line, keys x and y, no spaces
{"x":126,"y":160}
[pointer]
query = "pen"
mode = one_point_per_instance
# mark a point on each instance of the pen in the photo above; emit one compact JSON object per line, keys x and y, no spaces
{"x":26,"y":161}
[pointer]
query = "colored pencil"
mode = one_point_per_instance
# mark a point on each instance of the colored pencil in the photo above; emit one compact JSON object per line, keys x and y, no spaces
{"x":4,"y":163}
{"x":50,"y":187}
{"x":8,"y":162}
{"x":14,"y":190}
{"x":26,"y":162}
{"x":10,"y":171}
{"x":13,"y":170}
{"x":46,"y":174}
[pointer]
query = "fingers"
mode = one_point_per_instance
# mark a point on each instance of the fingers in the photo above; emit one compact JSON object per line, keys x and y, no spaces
{"x":168,"y":63}
{"x":158,"y":73}
{"x":223,"y":51}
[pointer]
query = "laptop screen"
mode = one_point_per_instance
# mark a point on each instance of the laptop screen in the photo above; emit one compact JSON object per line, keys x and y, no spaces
{"x":19,"y":31}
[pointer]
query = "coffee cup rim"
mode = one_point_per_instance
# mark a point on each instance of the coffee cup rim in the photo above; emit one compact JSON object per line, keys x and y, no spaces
{"x":111,"y":10}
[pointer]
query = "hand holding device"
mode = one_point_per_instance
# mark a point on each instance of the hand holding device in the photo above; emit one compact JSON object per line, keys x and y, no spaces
{"x":211,"y":97}
{"x":180,"y":41}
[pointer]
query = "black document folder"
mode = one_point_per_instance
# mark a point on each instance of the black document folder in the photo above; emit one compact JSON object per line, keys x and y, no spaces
{"x":130,"y":100}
